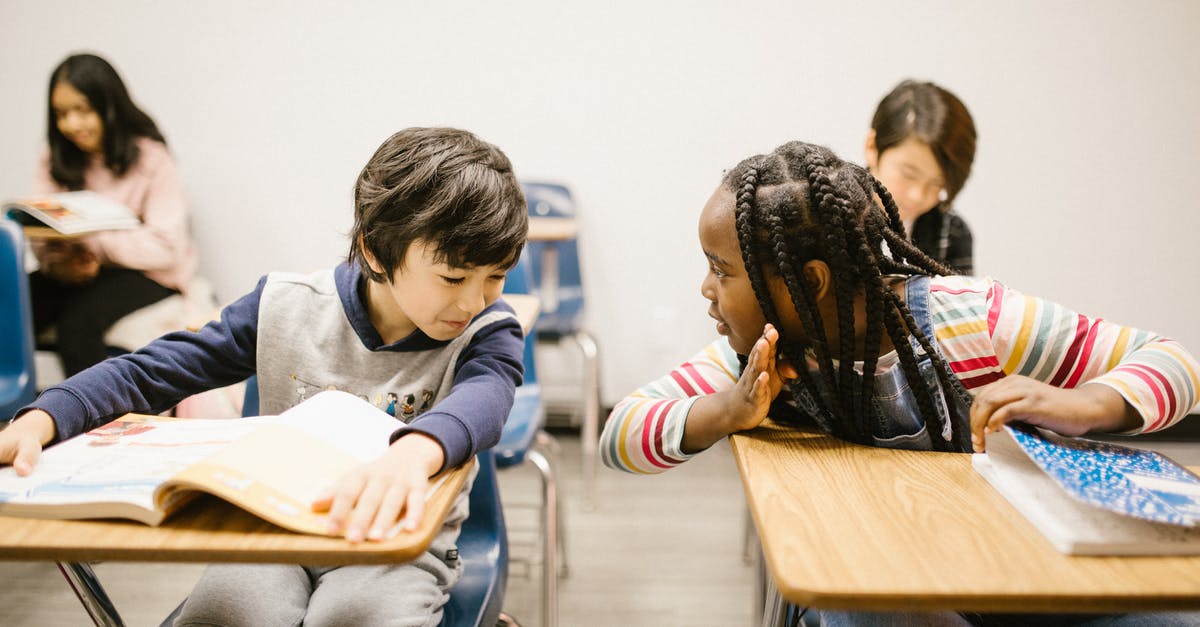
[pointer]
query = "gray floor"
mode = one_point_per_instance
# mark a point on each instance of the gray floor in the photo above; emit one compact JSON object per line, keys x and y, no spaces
{"x":662,"y":550}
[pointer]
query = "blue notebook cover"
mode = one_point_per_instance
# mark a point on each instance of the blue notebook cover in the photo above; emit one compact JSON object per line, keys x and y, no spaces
{"x":1134,"y":482}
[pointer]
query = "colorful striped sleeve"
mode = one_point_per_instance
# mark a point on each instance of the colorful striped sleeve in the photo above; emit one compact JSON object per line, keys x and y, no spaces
{"x":987,"y":331}
{"x":645,"y":429}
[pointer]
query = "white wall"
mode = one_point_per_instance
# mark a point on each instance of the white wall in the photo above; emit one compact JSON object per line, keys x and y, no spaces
{"x":1083,"y":186}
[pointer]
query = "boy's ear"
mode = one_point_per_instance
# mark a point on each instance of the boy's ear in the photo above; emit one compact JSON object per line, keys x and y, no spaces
{"x":372,"y":263}
{"x":819,"y":278}
{"x":871,"y":152}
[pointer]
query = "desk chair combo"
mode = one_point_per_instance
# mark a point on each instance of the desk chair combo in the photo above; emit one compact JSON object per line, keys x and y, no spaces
{"x":17,"y":371}
{"x":554,"y":261}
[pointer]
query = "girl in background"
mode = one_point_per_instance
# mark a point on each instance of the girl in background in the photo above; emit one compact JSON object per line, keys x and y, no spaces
{"x":99,"y":140}
{"x":921,"y":146}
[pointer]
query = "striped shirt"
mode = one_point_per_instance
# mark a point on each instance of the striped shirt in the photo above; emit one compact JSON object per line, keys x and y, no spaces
{"x":985,"y":330}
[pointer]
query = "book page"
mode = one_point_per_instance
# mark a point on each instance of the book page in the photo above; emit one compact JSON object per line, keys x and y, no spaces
{"x":112,"y":471}
{"x":277,"y":470}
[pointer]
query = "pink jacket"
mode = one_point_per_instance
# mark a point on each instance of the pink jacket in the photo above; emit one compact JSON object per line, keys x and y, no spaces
{"x":161,"y":247}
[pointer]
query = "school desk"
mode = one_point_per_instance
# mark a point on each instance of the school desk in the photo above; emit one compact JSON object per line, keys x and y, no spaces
{"x":211,"y":530}
{"x":844,"y":526}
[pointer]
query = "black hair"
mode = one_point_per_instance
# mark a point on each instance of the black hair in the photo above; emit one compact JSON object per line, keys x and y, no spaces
{"x":802,"y":203}
{"x":443,"y":186}
{"x":933,"y":115}
{"x":123,"y":121}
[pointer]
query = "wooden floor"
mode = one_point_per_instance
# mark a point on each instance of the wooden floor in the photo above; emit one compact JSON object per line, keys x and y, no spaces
{"x":657,"y":551}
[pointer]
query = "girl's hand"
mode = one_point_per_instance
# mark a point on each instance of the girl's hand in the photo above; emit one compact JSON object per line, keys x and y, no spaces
{"x":747,"y":403}
{"x":69,"y":262}
{"x":1072,"y":412}
{"x":367,"y":502}
{"x":22,"y":440}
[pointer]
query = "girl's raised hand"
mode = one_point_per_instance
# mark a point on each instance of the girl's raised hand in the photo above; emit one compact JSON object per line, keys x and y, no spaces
{"x":1076,"y":411}
{"x":759,"y":384}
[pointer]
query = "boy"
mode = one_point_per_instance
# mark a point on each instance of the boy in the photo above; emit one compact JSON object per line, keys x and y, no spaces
{"x":414,"y":313}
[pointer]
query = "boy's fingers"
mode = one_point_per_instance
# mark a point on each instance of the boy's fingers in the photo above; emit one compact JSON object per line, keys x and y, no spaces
{"x":364,"y":511}
{"x":28,"y":453}
{"x":343,"y":495}
{"x":416,"y":508}
{"x":389,"y":512}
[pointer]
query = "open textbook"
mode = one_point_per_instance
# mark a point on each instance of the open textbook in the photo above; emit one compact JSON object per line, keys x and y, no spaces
{"x":1095,"y":498}
{"x":69,"y":214}
{"x":145,"y":468}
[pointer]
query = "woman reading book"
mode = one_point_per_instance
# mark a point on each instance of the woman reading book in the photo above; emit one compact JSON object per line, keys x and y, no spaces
{"x":99,"y":140}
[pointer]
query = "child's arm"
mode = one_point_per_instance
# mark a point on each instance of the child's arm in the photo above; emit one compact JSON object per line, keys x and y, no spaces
{"x":159,"y":375}
{"x":22,"y":440}
{"x":1074,"y":374}
{"x":667,"y":421}
{"x":367,"y":502}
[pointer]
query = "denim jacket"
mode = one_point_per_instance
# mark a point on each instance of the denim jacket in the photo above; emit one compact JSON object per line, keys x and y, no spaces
{"x":896,"y":420}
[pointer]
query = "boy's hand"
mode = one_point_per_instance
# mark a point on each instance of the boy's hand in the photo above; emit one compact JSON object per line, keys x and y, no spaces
{"x":1072,"y":412}
{"x":366,"y":502}
{"x":22,"y":440}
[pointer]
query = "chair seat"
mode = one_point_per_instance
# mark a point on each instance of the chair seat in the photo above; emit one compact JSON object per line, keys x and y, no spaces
{"x":524,"y":421}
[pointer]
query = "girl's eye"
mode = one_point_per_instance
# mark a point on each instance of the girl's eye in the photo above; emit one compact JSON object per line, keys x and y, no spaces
{"x":716,"y":271}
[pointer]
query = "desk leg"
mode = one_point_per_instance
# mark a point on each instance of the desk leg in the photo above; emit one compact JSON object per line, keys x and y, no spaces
{"x":774,"y":609}
{"x":591,"y":414}
{"x":91,"y":594}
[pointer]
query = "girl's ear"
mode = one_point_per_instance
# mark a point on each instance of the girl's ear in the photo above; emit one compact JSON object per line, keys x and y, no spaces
{"x":871,"y":152}
{"x":819,"y":278}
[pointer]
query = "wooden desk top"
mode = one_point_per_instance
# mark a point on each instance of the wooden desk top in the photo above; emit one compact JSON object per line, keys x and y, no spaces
{"x":552,"y":229}
{"x":526,"y":307}
{"x":848,"y":526}
{"x":211,"y":530}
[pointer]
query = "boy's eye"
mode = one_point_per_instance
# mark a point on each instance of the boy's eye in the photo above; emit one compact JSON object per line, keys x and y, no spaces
{"x":452,"y":280}
{"x":498,"y":277}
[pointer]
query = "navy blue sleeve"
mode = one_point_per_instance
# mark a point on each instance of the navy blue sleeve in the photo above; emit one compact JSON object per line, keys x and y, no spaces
{"x":472,"y":416}
{"x":161,"y":374}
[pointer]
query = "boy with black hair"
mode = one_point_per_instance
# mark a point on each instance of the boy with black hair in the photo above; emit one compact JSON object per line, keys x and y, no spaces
{"x":414,"y":313}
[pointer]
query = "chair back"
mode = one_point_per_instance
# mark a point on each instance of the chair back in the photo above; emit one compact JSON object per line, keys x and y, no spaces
{"x":565,"y":317}
{"x":17,"y":380}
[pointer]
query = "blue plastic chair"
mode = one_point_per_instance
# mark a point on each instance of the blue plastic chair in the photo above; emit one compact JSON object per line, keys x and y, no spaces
{"x":17,"y":380}
{"x":478,"y":597}
{"x":555,"y":264}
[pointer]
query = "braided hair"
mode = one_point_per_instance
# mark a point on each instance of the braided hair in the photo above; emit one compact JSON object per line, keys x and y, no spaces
{"x":802,"y":203}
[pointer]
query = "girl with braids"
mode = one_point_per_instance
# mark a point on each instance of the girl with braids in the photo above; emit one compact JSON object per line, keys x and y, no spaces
{"x":830,"y":315}
{"x":921,"y":146}
{"x":99,"y":140}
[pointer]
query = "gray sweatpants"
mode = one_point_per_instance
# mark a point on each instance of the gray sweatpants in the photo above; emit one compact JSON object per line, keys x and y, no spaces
{"x":282,"y":595}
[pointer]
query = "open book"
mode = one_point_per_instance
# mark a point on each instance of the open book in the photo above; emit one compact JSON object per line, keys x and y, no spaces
{"x":1095,"y":498}
{"x":145,"y":468}
{"x":70,"y":214}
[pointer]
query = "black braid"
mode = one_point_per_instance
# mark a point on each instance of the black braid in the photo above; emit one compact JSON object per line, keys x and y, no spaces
{"x":802,"y":203}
